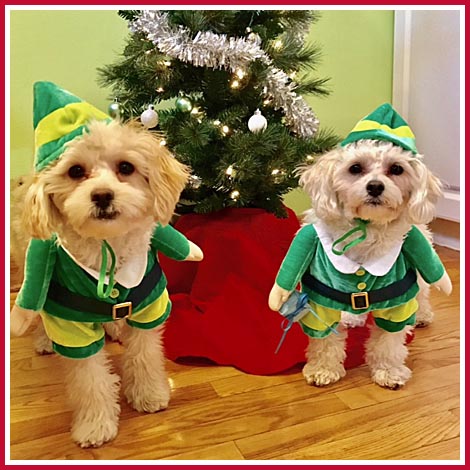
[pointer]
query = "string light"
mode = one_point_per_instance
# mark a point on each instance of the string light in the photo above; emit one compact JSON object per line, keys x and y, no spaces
{"x":163,"y":142}
{"x":160,"y":89}
{"x":225,"y":129}
{"x":230,"y":171}
{"x":310,"y":157}
{"x":277,"y":44}
{"x":240,"y":73}
{"x":167,"y":63}
{"x":235,"y":84}
{"x":235,"y":195}
{"x":275,"y":171}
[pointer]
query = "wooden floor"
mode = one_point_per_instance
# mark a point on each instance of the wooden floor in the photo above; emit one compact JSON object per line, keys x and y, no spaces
{"x":220,"y":413}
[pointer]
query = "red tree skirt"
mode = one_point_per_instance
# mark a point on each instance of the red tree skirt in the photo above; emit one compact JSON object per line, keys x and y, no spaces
{"x":220,"y":305}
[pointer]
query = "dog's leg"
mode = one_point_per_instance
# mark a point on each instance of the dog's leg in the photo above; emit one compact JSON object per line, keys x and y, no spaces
{"x":325,"y":359}
{"x":114,"y":329}
{"x":42,"y":344}
{"x":385,"y":354}
{"x":144,"y":378}
{"x":424,"y":315}
{"x":93,"y":392}
{"x":352,"y":320}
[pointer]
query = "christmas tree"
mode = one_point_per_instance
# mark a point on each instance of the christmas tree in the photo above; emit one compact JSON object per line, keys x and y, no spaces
{"x":239,"y":120}
{"x":233,"y":81}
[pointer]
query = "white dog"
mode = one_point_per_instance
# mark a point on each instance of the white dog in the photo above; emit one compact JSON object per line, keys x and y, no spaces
{"x":115,"y":183}
{"x":367,"y":194}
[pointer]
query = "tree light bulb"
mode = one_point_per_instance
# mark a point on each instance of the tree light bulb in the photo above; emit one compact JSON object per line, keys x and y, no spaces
{"x":216,"y":122}
{"x":167,"y":63}
{"x":160,"y":89}
{"x":310,"y":157}
{"x":163,"y":142}
{"x":277,"y":44}
{"x":235,"y":195}
{"x":275,"y":171}
{"x":225,"y":129}
{"x":240,"y":73}
{"x":229,"y":170}
{"x":235,"y":84}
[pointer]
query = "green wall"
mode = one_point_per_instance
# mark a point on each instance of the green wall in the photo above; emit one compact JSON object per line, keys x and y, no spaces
{"x":67,"y":46}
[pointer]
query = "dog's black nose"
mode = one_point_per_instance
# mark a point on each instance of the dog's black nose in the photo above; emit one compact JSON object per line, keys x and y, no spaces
{"x":375,"y":188}
{"x":102,"y":198}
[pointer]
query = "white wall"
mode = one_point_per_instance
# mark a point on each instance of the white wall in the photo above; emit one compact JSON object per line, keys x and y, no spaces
{"x":427,"y":93}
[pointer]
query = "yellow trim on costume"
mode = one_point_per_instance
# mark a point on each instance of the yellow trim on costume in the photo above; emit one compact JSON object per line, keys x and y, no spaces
{"x":402,"y":131}
{"x":329,"y":315}
{"x":397,"y":314}
{"x":71,"y":333}
{"x":65,"y":120}
{"x":153,"y":311}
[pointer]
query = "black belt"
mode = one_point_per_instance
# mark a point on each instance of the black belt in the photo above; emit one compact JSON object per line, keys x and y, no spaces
{"x":63,"y":296}
{"x":362,"y":300}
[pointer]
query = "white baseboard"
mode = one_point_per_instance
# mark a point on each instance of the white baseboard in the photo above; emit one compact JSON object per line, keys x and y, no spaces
{"x":448,"y":206}
{"x":446,"y":241}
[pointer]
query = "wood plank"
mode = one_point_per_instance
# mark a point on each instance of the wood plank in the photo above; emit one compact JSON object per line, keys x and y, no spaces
{"x":390,"y":442}
{"x":225,"y":451}
{"x":286,"y":440}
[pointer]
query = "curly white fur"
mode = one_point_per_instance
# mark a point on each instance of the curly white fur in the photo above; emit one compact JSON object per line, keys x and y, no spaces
{"x":338,"y":186}
{"x":57,"y":202}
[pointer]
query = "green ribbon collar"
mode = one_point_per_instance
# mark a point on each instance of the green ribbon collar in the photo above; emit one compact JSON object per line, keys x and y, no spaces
{"x":100,"y":290}
{"x":359,"y":229}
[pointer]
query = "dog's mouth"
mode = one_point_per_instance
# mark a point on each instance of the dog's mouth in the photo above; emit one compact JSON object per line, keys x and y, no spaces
{"x":374,"y":202}
{"x":106,"y":215}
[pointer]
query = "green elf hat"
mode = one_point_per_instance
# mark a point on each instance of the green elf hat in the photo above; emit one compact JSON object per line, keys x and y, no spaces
{"x":59,"y":117}
{"x":383,"y":124}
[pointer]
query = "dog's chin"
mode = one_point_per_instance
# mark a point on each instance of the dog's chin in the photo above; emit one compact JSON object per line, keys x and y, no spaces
{"x":108,"y":225}
{"x":377,"y":212}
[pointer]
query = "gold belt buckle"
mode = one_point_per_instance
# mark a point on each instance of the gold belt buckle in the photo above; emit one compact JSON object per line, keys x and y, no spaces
{"x":117,"y":307}
{"x":360,"y":300}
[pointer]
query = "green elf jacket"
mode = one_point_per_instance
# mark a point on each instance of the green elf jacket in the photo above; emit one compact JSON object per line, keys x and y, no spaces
{"x":311,"y":251}
{"x":46,"y":260}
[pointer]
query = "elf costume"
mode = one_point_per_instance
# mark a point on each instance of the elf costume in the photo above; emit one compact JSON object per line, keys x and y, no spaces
{"x":387,"y":287}
{"x":74,"y":300}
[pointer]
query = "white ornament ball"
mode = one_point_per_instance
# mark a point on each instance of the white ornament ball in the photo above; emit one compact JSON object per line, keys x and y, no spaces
{"x":149,"y":118}
{"x":257,"y":122}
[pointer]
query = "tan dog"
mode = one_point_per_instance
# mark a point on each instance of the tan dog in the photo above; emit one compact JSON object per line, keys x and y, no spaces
{"x":115,"y":183}
{"x":391,"y":189}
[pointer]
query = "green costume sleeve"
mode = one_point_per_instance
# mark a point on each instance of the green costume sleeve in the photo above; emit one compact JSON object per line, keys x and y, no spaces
{"x":298,"y":258}
{"x":170,"y":242}
{"x":40,"y":261}
{"x":420,"y":253}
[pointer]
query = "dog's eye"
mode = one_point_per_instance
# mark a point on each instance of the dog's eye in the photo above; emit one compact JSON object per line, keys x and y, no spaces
{"x":396,"y":169}
{"x":126,"y":168}
{"x":355,"y":169}
{"x":76,"y":172}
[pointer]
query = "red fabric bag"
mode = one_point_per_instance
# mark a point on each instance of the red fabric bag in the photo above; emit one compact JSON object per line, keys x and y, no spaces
{"x":220,"y":305}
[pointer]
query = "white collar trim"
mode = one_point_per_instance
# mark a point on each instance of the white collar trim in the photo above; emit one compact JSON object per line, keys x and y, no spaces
{"x":345,"y":265}
{"x":129,"y":275}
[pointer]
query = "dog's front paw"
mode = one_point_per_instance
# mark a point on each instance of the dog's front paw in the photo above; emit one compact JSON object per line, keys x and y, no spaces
{"x":146,"y":398}
{"x":392,"y":377}
{"x":424,"y":318}
{"x":94,"y":433}
{"x":321,"y":376}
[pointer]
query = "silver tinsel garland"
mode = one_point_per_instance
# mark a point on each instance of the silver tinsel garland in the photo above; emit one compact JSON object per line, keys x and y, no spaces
{"x":219,"y":51}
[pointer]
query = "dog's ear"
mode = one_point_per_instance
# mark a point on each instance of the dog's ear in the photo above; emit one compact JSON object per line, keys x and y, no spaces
{"x":421,"y":206}
{"x":39,"y":212}
{"x":167,"y":178}
{"x":317,"y":181}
